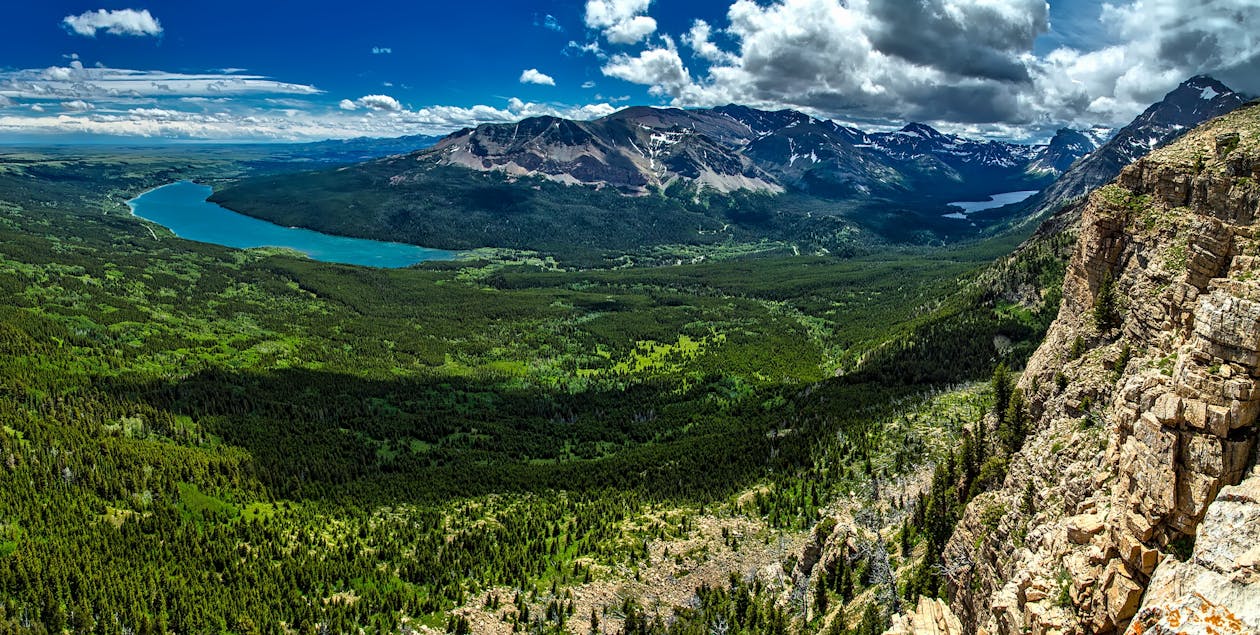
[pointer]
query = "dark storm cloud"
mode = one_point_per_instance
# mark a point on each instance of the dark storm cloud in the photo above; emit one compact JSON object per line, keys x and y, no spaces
{"x":968,"y":39}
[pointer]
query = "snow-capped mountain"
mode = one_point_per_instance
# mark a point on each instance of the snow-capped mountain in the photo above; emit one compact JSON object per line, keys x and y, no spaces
{"x":733,"y":147}
{"x":1196,"y":100}
{"x":1064,"y":149}
{"x":633,"y":151}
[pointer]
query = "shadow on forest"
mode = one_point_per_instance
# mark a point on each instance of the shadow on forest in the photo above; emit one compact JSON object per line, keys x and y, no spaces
{"x":316,"y":434}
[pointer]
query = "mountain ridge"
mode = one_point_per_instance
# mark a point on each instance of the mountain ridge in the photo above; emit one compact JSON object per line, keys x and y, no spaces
{"x":737,"y":147}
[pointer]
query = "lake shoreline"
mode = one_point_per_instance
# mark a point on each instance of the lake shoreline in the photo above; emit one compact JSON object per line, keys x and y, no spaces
{"x":182,"y":207}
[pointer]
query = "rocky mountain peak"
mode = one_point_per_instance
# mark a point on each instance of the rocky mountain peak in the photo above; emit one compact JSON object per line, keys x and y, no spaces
{"x":1191,"y":101}
{"x":1065,"y":148}
{"x":922,"y":130}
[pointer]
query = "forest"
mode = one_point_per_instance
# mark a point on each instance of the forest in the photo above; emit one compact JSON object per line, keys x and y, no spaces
{"x":198,"y":439}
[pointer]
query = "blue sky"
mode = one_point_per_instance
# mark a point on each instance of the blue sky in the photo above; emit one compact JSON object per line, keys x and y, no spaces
{"x":265,"y":70}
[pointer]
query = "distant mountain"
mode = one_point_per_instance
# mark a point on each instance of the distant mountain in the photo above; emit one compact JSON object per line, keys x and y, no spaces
{"x":632,"y":151}
{"x":354,"y":150}
{"x":1065,"y":148}
{"x":638,"y":150}
{"x":1193,"y":102}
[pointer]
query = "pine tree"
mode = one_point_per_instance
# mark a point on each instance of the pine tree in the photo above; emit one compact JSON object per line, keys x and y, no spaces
{"x":1002,"y":386}
{"x":1106,"y":305}
{"x":1016,"y":427}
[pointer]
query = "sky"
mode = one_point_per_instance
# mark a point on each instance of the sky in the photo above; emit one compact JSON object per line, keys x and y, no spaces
{"x":266,"y":70}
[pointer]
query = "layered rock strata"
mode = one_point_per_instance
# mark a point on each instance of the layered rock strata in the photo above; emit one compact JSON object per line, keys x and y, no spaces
{"x":1145,"y":400}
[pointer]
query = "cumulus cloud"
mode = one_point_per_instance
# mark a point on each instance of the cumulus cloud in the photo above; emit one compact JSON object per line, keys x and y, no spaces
{"x":588,"y":84}
{"x":698,"y":39}
{"x":967,"y":38}
{"x":533,"y":76}
{"x":117,"y":22}
{"x":346,"y":104}
{"x":1158,"y":44}
{"x":379,"y":102}
{"x":77,"y":105}
{"x":621,"y":21}
{"x":660,"y":68}
{"x":969,"y":63}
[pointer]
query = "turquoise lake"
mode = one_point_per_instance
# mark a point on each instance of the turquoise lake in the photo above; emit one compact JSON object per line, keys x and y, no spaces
{"x":182,"y":208}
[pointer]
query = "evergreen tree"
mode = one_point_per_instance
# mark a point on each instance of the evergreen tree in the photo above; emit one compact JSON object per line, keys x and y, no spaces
{"x":1107,"y":305}
{"x":1016,"y":425}
{"x":1002,"y":384}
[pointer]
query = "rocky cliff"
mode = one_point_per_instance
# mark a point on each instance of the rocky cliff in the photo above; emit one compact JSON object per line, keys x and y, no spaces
{"x":1145,"y":399}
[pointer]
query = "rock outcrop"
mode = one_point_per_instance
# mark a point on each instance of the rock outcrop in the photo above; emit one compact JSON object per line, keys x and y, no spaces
{"x":1219,"y":586}
{"x":930,"y":617}
{"x":1145,"y":399}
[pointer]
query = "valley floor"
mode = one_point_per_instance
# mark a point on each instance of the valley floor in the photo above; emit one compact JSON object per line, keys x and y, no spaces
{"x":199,"y":438}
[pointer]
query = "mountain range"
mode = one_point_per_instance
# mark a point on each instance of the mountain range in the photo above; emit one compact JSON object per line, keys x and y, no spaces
{"x":654,"y":176}
{"x":641,"y":149}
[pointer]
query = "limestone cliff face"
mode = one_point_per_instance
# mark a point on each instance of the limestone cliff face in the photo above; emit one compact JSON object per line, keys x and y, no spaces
{"x":1143,"y":413}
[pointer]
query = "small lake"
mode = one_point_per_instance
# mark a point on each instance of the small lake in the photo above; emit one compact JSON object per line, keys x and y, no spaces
{"x":182,"y":208}
{"x":997,"y":200}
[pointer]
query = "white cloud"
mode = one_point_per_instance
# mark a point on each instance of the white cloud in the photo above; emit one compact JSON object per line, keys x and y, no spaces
{"x":698,"y":39}
{"x":5,"y":102}
{"x":77,"y":105}
{"x":592,"y":48}
{"x":381,"y":50}
{"x":119,"y":22}
{"x":550,"y":22}
{"x":73,"y":100}
{"x":630,"y":31}
{"x":621,"y":21}
{"x":533,"y":76}
{"x":282,"y":125}
{"x":660,"y":68}
{"x":379,"y":102}
{"x":76,"y":82}
{"x":588,"y":84}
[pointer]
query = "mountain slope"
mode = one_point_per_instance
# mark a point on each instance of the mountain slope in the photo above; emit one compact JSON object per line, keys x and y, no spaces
{"x":632,"y":151}
{"x":637,"y":150}
{"x":1143,"y":407}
